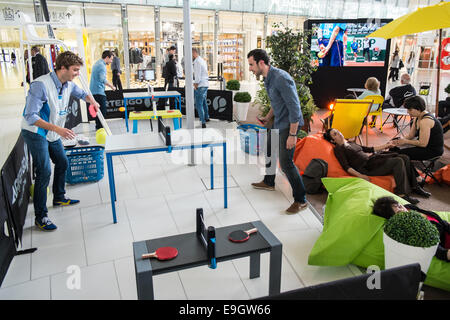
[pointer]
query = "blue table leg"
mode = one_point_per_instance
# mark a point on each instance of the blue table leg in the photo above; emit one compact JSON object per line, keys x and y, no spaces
{"x":176,"y":124}
{"x":135,"y":126}
{"x":225,"y":199}
{"x":126,"y":113}
{"x":179,"y":108}
{"x":212,"y":168}
{"x":112,"y":187}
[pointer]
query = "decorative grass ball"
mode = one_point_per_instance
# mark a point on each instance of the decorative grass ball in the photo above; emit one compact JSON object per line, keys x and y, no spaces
{"x":233,"y":85}
{"x":242,"y":97}
{"x":411,"y":228}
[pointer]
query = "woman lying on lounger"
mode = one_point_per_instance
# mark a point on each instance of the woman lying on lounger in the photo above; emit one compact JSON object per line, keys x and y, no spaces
{"x":386,"y":207}
{"x":355,"y":159}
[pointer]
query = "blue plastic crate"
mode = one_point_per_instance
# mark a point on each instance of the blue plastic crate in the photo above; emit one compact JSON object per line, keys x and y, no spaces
{"x":252,"y":138}
{"x":85,"y":164}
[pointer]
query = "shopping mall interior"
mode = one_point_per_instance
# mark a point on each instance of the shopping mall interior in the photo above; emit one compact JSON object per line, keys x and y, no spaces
{"x":158,"y":193}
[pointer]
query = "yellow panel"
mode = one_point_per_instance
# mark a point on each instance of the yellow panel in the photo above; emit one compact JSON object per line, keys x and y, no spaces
{"x":165,"y":114}
{"x":348,"y":116}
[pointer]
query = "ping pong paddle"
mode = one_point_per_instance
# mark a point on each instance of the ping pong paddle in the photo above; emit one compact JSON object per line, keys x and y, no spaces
{"x":241,"y":235}
{"x":169,"y":111}
{"x":163,"y":253}
{"x":260,"y":121}
{"x":92,"y":111}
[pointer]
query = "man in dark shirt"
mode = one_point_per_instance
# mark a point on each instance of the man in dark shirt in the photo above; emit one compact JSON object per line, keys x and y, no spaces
{"x":444,"y":108}
{"x":169,"y":75}
{"x":398,"y":94}
{"x":288,"y":118}
{"x":40,"y":64}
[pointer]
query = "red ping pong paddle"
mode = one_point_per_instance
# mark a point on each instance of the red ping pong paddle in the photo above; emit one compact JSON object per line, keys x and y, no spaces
{"x":92,"y":111}
{"x":241,"y":235}
{"x":169,"y":111}
{"x":163,"y":253}
{"x":260,"y":121}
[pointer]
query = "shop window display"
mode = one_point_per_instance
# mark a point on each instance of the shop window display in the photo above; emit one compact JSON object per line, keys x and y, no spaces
{"x":231,"y":55}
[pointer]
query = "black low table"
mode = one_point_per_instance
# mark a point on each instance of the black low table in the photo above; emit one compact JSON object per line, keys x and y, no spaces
{"x":191,"y":253}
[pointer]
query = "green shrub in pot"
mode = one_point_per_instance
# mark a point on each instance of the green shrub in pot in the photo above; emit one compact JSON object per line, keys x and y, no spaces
{"x":233,"y":85}
{"x":242,"y":97}
{"x":412,"y":229}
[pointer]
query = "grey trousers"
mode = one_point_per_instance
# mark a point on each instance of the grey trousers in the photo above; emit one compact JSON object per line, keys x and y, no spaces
{"x":402,"y":170}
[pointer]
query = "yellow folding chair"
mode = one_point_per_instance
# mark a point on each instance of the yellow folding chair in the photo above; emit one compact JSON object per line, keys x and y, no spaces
{"x":349,"y":115}
{"x":376,"y":100}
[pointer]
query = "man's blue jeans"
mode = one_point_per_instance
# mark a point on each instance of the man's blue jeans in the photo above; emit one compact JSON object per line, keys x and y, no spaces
{"x":42,"y":151}
{"x":200,"y":103}
{"x":286,"y":163}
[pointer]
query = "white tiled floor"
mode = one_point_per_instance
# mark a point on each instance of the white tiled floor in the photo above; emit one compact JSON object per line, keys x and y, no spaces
{"x":156,"y":198}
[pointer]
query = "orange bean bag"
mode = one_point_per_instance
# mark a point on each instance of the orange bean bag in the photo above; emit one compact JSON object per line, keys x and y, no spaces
{"x":315,"y":146}
{"x":442,"y":175}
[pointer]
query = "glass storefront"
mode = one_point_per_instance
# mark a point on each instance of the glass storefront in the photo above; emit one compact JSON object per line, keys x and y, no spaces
{"x":97,"y":26}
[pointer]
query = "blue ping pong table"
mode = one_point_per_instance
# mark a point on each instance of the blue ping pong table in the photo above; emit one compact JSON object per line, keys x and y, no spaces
{"x":181,"y":139}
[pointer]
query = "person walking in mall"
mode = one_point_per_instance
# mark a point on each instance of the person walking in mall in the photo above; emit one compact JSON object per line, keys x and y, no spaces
{"x":40,"y":64}
{"x":170,"y":51}
{"x":98,"y":82}
{"x":394,"y":67}
{"x":170,"y":74}
{"x":42,"y":126}
{"x":115,"y":68}
{"x":201,"y":85}
{"x":288,"y":119}
{"x":410,"y":63}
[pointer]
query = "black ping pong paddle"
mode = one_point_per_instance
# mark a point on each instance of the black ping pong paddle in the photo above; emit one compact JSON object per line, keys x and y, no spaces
{"x":241,"y":235}
{"x":163,"y":253}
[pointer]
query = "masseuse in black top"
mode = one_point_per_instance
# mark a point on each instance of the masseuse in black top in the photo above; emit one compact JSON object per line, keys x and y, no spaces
{"x":355,"y":159}
{"x":426,"y":128}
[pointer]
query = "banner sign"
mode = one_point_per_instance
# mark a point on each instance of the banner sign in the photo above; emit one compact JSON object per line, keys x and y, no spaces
{"x":16,"y":180}
{"x":73,"y":117}
{"x":220,"y":103}
{"x":7,"y":247}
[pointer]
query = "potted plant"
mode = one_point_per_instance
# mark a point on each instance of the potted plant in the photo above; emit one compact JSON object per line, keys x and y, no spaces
{"x":242,"y":100}
{"x":233,"y":85}
{"x":409,"y":238}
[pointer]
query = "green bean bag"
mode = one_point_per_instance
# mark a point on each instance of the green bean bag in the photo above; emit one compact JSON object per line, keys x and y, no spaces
{"x":353,"y":235}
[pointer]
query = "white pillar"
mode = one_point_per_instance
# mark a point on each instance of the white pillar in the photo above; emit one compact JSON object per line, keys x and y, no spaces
{"x":189,"y":87}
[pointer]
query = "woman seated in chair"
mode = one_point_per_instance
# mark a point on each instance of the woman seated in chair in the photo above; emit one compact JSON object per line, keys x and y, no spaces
{"x":355,"y":159}
{"x":386,"y":207}
{"x":426,"y":138}
{"x":372,"y":86}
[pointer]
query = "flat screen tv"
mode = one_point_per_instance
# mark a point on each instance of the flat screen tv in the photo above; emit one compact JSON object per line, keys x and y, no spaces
{"x":344,"y":44}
